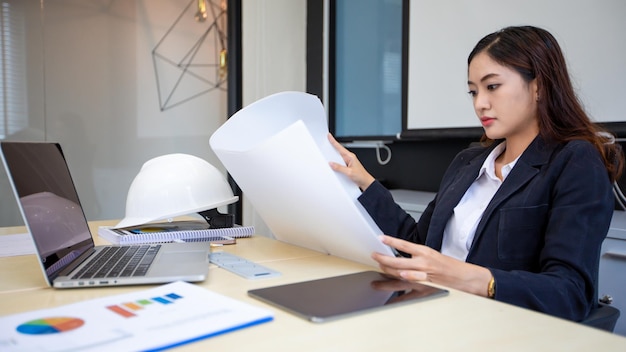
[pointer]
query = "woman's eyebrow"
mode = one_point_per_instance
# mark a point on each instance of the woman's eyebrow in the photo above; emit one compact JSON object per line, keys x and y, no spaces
{"x":484,"y":78}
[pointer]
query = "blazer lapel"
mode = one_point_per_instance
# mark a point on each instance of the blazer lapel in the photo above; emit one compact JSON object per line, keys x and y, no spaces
{"x":449,"y":197}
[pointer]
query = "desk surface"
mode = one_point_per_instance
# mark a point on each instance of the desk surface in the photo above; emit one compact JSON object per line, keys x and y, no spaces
{"x":459,"y":321}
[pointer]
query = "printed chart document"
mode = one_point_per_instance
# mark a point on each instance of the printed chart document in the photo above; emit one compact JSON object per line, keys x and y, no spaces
{"x":277,"y":150}
{"x":157,"y":318}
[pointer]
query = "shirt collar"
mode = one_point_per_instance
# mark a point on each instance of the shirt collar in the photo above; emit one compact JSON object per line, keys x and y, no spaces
{"x":489,"y":167}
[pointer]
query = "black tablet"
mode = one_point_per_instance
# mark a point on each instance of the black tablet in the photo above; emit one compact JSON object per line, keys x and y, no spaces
{"x":340,"y":296}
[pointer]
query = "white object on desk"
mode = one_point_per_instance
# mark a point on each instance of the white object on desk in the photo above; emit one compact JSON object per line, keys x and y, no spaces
{"x":241,"y":266}
{"x":18,"y":244}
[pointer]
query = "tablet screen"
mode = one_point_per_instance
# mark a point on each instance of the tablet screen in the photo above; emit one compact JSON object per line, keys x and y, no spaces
{"x":335,"y":297}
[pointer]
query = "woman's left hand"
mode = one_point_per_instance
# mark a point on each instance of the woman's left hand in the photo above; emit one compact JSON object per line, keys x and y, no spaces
{"x":427,"y":264}
{"x":353,"y":168}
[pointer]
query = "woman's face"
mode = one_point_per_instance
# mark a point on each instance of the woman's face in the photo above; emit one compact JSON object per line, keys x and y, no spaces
{"x":505,"y":104}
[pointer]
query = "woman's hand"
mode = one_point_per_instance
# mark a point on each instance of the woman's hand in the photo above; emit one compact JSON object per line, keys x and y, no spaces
{"x":353,"y":168}
{"x":427,"y":264}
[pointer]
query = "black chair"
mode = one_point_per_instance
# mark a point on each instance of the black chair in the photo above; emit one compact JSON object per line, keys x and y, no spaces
{"x":602,"y":317}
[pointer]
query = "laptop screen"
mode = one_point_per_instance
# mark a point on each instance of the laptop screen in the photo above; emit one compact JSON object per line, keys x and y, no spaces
{"x":48,"y":201}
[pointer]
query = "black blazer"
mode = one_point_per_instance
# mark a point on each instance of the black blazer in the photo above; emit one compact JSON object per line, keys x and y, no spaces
{"x":541,"y":233}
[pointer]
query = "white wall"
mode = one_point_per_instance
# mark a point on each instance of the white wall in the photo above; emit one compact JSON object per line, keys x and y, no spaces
{"x":441,"y":37}
{"x":92,"y":87}
{"x":274,"y":60}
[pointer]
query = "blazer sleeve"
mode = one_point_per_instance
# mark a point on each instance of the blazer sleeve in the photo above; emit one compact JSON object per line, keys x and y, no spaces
{"x":390,"y":217}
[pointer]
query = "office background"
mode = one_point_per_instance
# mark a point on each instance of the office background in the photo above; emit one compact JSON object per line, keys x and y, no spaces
{"x":83,"y":74}
{"x":86,"y":78}
{"x":88,"y":81}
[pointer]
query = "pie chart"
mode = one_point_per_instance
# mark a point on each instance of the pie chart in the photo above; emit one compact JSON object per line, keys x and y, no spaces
{"x":52,"y":325}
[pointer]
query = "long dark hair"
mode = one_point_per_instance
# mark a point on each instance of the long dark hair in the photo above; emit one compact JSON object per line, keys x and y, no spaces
{"x":535,"y":54}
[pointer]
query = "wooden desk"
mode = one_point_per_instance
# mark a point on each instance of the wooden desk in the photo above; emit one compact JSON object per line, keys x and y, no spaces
{"x":458,"y":322}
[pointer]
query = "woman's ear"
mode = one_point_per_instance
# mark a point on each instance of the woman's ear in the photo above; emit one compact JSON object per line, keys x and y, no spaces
{"x":534,"y":86}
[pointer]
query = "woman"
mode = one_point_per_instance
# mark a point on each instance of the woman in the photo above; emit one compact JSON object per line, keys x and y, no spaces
{"x":520,"y":219}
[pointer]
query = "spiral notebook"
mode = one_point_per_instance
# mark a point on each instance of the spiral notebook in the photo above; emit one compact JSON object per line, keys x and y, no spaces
{"x":174,"y":231}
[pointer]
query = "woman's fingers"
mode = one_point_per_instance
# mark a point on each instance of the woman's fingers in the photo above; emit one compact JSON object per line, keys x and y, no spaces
{"x":353,"y":169}
{"x":346,"y":155}
{"x":401,"y":245}
{"x":412,"y":269}
{"x":399,"y":267}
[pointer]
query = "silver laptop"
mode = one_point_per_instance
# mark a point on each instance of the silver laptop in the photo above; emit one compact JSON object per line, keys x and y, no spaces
{"x":49,"y":204}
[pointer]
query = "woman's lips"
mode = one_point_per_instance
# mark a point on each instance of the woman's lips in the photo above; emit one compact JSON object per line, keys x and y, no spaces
{"x":486,"y":121}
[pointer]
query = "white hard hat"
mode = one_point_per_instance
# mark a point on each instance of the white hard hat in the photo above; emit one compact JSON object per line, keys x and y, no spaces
{"x":173,"y":185}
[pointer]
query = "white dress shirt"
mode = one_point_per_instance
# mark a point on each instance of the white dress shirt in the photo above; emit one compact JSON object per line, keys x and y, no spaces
{"x":461,"y":228}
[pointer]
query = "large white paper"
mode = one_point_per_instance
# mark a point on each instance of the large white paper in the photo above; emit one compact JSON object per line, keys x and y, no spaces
{"x":277,"y":150}
{"x":157,"y":318}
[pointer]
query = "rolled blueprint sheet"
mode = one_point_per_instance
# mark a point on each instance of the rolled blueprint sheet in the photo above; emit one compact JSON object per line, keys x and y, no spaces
{"x":277,"y":150}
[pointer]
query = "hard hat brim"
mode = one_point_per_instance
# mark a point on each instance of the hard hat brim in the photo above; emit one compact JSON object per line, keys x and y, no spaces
{"x":135,"y":221}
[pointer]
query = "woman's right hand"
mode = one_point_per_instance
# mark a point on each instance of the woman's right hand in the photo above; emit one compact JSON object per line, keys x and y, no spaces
{"x":353,"y":168}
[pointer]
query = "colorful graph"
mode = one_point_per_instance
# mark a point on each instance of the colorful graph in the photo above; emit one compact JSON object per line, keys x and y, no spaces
{"x":51,"y":325}
{"x":130,"y":309}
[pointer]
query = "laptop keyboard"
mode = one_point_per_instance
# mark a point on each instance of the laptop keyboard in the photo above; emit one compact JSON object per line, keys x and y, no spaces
{"x":122,"y":261}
